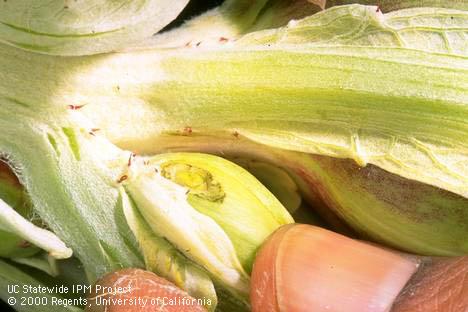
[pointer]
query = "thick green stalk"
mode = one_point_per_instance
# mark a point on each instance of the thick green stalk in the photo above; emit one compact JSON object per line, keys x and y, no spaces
{"x":381,"y":106}
{"x":366,"y":105}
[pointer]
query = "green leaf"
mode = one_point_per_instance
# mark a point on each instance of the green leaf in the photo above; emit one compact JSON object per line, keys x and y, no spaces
{"x":434,"y":30}
{"x":83,"y":27}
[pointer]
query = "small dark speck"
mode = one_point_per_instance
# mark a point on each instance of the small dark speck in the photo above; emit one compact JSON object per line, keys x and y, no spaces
{"x":25,"y":244}
{"x":65,"y":7}
{"x":118,"y":88}
{"x":451,"y":17}
{"x":122,"y":178}
{"x":198,"y":43}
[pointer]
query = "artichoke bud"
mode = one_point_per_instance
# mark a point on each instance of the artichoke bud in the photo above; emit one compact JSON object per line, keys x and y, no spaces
{"x":212,"y":211}
{"x":12,"y":192}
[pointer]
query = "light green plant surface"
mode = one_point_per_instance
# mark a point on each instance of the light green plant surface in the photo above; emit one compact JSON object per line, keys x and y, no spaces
{"x":390,"y":101}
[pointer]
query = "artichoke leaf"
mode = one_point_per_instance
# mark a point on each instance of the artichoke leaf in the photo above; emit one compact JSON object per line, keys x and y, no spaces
{"x":83,"y":27}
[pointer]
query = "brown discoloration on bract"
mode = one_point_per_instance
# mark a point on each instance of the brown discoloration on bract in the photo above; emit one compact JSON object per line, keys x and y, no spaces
{"x":75,"y":107}
{"x":130,"y":158}
{"x":6,"y":174}
{"x":25,"y":244}
{"x":122,"y":178}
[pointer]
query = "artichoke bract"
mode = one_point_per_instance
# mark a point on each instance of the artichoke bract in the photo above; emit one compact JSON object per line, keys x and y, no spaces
{"x":212,"y":211}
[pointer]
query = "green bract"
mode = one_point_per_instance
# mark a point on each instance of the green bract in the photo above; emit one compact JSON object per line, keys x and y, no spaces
{"x":166,"y":260}
{"x":276,"y":181}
